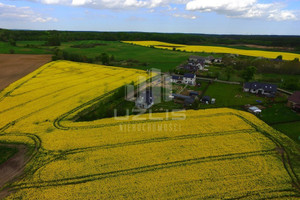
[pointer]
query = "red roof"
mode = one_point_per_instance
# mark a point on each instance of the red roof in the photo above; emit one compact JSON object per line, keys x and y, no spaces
{"x":295,"y":97}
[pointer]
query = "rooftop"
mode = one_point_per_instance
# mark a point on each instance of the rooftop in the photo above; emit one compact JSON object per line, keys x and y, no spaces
{"x":295,"y":97}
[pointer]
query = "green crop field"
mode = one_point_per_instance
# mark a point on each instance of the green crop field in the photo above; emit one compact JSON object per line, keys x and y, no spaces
{"x":5,"y":48}
{"x":154,"y":58}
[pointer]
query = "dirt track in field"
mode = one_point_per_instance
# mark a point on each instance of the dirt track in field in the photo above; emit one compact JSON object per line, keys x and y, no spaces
{"x":14,"y":165}
{"x":15,"y":66}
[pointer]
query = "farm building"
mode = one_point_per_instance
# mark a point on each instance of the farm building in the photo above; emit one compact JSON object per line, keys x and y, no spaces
{"x":187,"y":100}
{"x":189,"y":79}
{"x":145,"y":100}
{"x":194,"y":93}
{"x":294,"y":101}
{"x":266,"y":89}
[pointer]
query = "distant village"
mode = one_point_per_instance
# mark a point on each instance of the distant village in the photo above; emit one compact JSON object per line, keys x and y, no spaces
{"x":194,"y":64}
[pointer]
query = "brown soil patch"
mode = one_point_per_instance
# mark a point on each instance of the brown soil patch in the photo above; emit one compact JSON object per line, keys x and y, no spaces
{"x":15,"y":66}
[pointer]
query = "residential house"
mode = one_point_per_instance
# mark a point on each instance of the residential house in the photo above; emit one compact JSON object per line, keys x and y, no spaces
{"x":266,"y":89}
{"x":217,"y":60}
{"x":189,"y":79}
{"x":176,"y":79}
{"x":145,"y":99}
{"x":190,"y":68}
{"x":209,"y":60}
{"x":194,"y":58}
{"x":294,"y":101}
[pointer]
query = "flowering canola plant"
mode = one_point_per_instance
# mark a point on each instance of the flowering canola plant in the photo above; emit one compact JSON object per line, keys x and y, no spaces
{"x":215,"y":49}
{"x":214,"y":153}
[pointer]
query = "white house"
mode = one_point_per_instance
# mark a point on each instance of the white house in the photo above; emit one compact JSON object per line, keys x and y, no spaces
{"x":189,"y":79}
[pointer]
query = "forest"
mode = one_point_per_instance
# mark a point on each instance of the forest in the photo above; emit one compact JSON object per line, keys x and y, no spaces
{"x":291,"y":43}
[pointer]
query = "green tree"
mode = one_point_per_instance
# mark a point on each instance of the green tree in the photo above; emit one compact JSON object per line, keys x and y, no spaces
{"x":195,"y":105}
{"x":104,"y":59}
{"x":53,"y":39}
{"x":112,"y":58}
{"x":248,"y":73}
{"x":279,"y":57}
{"x":12,"y":42}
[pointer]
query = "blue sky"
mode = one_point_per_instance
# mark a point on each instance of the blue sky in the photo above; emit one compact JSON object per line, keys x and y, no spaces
{"x":281,"y":17}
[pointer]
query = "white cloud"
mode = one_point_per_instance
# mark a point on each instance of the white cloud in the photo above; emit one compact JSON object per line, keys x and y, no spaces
{"x":250,"y":9}
{"x":12,"y":12}
{"x":243,"y":9}
{"x":186,"y":16}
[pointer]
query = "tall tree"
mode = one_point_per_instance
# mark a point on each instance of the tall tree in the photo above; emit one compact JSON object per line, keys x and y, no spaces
{"x":248,"y":73}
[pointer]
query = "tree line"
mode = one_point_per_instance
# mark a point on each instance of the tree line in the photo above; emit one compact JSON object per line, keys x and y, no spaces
{"x":55,"y":37}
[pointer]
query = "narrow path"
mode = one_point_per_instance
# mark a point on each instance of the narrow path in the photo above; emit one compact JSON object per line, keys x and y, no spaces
{"x":13,"y":167}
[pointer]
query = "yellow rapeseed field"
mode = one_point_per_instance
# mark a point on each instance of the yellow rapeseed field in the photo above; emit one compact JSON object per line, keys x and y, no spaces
{"x":215,"y":49}
{"x":206,"y":154}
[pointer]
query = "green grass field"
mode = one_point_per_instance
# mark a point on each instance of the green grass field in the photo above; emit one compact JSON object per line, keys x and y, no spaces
{"x":278,"y":113}
{"x":154,"y":58}
{"x":227,"y":95}
{"x":21,"y":48}
{"x":6,"y":153}
{"x":291,"y":129}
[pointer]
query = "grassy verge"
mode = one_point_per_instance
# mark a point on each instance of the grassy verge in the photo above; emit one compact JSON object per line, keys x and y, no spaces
{"x":291,"y":129}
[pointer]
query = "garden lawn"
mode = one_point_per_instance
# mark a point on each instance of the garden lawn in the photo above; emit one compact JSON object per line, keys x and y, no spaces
{"x":278,"y":113}
{"x":228,"y":95}
{"x":291,"y":129}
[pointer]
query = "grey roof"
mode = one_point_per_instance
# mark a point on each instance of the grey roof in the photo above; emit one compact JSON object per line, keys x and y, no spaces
{"x":176,"y":77}
{"x":190,"y":68}
{"x":267,"y":87}
{"x":189,"y":101}
{"x":149,"y":97}
{"x":295,"y":97}
{"x":189,"y":75}
{"x":194,"y":93}
{"x":180,"y":96}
